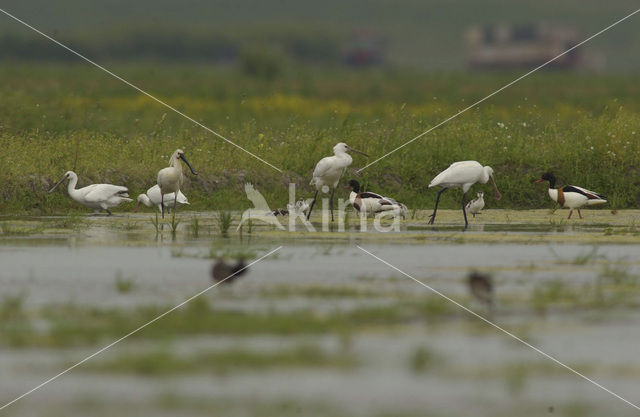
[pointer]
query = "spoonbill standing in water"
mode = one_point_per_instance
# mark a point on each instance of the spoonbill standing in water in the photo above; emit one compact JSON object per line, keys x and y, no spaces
{"x":463,"y":175}
{"x":152,"y":198}
{"x":170,"y":179}
{"x":95,"y":196}
{"x":328,"y":172}
{"x":571,"y":196}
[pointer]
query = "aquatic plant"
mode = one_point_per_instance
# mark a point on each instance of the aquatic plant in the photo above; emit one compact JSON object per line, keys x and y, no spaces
{"x":224,"y":222}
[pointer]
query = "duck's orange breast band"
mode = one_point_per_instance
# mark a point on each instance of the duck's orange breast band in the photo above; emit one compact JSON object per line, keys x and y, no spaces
{"x":561,"y":197}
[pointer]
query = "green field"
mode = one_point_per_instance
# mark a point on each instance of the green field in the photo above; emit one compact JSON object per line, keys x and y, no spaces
{"x":59,"y":117}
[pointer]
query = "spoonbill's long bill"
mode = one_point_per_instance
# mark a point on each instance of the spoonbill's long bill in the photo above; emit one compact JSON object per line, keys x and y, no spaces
{"x":95,"y":196}
{"x":463,"y":175}
{"x":570,"y":196}
{"x":153,"y":198}
{"x":328,"y":172}
{"x":372,"y":203}
{"x":170,"y":179}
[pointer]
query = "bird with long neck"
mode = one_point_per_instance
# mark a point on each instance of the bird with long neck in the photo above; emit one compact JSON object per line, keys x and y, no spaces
{"x":170,"y":179}
{"x":95,"y":196}
{"x":463,"y":175}
{"x":328,"y":172}
{"x":571,"y":196}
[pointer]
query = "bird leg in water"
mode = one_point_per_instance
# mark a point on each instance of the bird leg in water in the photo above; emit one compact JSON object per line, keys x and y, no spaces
{"x":433,"y":215}
{"x":331,"y":202}
{"x":464,"y":212}
{"x":570,"y":213}
{"x":579,"y":214}
{"x":312,"y":204}
{"x":161,"y":203}
{"x":108,"y":212}
{"x":175,"y":201}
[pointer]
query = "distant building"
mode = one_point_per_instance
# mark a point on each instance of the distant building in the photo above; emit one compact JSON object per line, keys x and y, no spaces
{"x":503,"y":46}
{"x":364,"y":49}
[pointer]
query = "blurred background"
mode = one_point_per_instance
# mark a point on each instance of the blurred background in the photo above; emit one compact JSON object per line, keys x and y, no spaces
{"x":265,"y":37}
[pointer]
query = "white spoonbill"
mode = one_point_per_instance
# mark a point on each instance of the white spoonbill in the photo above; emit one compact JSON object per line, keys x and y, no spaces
{"x":571,"y":196}
{"x":152,"y":198}
{"x":328,"y":172}
{"x":372,"y":203}
{"x":463,"y":175}
{"x":476,"y":205}
{"x":170,"y":179}
{"x":95,"y":196}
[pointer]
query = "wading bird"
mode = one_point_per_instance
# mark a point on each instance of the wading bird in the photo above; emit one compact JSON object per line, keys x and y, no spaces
{"x":481,"y":287}
{"x":372,"y":203}
{"x":570,"y":196}
{"x":462,"y":175}
{"x":300,"y":207}
{"x":153,"y":198}
{"x":227,"y":273}
{"x":170,"y":179}
{"x":328,"y":172}
{"x":476,"y":205}
{"x":95,"y":196}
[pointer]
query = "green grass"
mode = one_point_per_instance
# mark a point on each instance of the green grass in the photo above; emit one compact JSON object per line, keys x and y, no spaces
{"x":55,"y":118}
{"x":79,"y":326}
{"x":165,"y":362}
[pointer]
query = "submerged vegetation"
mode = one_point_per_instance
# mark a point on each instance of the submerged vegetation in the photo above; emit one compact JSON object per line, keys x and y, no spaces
{"x":57,"y":118}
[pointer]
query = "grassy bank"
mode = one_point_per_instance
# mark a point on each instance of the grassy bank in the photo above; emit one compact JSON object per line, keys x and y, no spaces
{"x":56,"y":118}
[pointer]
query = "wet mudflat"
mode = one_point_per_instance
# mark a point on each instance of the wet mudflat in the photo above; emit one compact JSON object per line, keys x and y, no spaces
{"x":321,"y":327}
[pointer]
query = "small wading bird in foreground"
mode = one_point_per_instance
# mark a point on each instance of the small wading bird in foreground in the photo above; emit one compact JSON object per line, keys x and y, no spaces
{"x":476,"y":205}
{"x":328,"y":172}
{"x":300,"y":207}
{"x":153,"y":198}
{"x":372,"y":203}
{"x":227,"y":273}
{"x":462,"y":175}
{"x":570,"y":196}
{"x":481,"y":287}
{"x":170,"y":179}
{"x":95,"y":196}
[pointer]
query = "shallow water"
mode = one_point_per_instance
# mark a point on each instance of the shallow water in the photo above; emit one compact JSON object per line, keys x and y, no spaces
{"x":568,"y":288}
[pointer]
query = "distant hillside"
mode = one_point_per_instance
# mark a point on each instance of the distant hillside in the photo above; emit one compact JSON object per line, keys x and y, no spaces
{"x":414,"y":33}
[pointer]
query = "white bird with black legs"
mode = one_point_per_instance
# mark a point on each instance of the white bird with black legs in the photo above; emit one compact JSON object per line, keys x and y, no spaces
{"x":328,"y":172}
{"x":152,"y":198}
{"x":476,"y":205}
{"x":170,"y":179}
{"x":463,"y":175}
{"x":369,"y":203}
{"x":571,"y":196}
{"x":95,"y":196}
